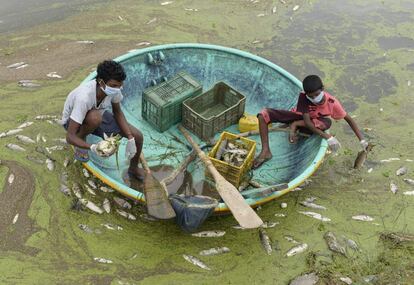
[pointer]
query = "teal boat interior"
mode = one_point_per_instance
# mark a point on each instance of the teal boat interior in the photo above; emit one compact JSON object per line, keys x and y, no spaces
{"x":262,"y":82}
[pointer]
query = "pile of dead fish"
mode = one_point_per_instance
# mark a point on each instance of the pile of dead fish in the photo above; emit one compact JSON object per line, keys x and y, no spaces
{"x":393,"y":184}
{"x":232,"y":152}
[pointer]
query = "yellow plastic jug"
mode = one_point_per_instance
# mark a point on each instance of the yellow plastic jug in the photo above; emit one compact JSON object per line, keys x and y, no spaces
{"x":249,"y":123}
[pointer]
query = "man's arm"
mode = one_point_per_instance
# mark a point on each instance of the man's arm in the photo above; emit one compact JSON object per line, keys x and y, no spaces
{"x":354,"y":127}
{"x":72,"y":138}
{"x":309,"y":124}
{"x":120,"y":119}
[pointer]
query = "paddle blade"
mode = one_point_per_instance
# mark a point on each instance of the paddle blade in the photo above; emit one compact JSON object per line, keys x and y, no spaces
{"x":242,"y":212}
{"x":157,"y":201}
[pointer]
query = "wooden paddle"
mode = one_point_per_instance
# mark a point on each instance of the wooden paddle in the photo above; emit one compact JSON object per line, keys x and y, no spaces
{"x":167,"y":180}
{"x":156,"y":198}
{"x":242,"y":212}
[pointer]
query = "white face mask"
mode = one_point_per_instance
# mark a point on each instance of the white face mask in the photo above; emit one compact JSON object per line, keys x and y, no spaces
{"x":316,"y":100}
{"x":111,"y":91}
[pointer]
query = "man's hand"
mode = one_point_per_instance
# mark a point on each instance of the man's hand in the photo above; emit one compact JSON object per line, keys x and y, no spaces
{"x":334,"y":144}
{"x":364,"y":144}
{"x":131,"y":149}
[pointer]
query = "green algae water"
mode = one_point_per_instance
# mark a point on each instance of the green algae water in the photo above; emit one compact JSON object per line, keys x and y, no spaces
{"x":362,"y":49}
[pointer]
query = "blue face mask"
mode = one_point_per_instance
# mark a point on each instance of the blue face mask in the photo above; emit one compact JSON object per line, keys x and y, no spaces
{"x":111,"y":91}
{"x":316,"y":100}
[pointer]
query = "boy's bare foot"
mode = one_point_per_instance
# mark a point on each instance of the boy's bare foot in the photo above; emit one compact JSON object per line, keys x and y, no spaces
{"x":261,"y":158}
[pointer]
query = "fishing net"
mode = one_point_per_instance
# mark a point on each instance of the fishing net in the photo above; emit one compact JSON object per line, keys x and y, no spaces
{"x":192,"y":211}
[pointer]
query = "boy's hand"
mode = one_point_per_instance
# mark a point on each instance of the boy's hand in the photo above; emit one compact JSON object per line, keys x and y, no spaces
{"x":334,"y":144}
{"x":364,"y":144}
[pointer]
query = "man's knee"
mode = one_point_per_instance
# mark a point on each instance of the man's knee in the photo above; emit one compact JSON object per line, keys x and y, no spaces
{"x":93,"y":119}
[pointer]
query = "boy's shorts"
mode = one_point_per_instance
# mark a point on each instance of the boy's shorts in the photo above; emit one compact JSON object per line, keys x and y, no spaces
{"x":282,"y":116}
{"x":108,"y":126}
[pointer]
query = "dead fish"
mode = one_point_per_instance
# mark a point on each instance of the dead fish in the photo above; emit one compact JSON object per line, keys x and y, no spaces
{"x":291,"y":239}
{"x":316,"y":216}
{"x":85,"y":228}
{"x":11,"y":178}
{"x":61,"y":140}
{"x":38,"y":137}
{"x":35,"y":160}
{"x":256,"y":42}
{"x":13,"y":132}
{"x":106,"y":205}
{"x":143,"y":44}
{"x":122,"y":203}
{"x":44,"y":140}
{"x":148,"y":217}
{"x":362,"y":156}
{"x":409,"y":193}
{"x":346,"y":280}
{"x":16,"y":65}
{"x":306,"y":279}
{"x":124,"y":214}
{"x":16,"y":217}
{"x":85,"y":173}
{"x":92,"y":184}
{"x":312,"y":205}
{"x":89,"y":190}
{"x":102,"y":260}
{"x":64,"y":189}
{"x":64,"y":177}
{"x":209,"y":234}
{"x":268,"y":225}
{"x":295,"y":8}
{"x":333,"y":243}
{"x":106,"y":189}
{"x":401,"y":171}
{"x":280,"y":215}
{"x":363,"y":218}
{"x":221,"y":149}
{"x":409,"y":181}
{"x":85,"y":42}
{"x":393,"y":187}
{"x":214,"y":251}
{"x":25,"y":125}
{"x":261,"y":15}
{"x":53,"y":74}
{"x":166,"y":3}
{"x":191,"y":9}
{"x":66,"y":162}
{"x":195,"y":261}
{"x":25,"y":139}
{"x":50,"y":164}
{"x":45,"y":117}
{"x":351,"y":243}
{"x":297,"y":249}
{"x":76,"y":190}
{"x":55,"y":147}
{"x":113,"y":227}
{"x":28,"y":84}
{"x":153,"y":20}
{"x":14,"y":147}
{"x":91,"y":206}
{"x":265,"y":241}
{"x":274,"y":9}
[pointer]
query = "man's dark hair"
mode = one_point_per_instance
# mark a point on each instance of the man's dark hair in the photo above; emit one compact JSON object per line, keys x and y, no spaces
{"x":311,"y":83}
{"x":110,"y":69}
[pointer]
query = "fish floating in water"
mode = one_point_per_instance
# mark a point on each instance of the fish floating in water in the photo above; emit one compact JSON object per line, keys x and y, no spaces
{"x":316,"y":216}
{"x":28,"y":84}
{"x":312,"y":205}
{"x":89,"y":189}
{"x":11,"y":178}
{"x":53,"y":74}
{"x":85,"y":42}
{"x":409,"y":193}
{"x":409,"y":181}
{"x":291,"y":239}
{"x":92,"y":184}
{"x":265,"y":241}
{"x":64,"y":189}
{"x":15,"y":147}
{"x":346,"y":280}
{"x":295,"y":8}
{"x":85,"y":228}
{"x":306,"y":279}
{"x":209,"y":234}
{"x":106,"y":205}
{"x":195,"y":261}
{"x":122,"y":203}
{"x":76,"y":190}
{"x":106,"y":189}
{"x":91,"y":206}
{"x":66,"y":162}
{"x":35,"y":159}
{"x":393,"y":187}
{"x":50,"y":164}
{"x":153,"y":20}
{"x":166,"y":3}
{"x":45,"y":117}
{"x":54,"y":148}
{"x":268,"y":225}
{"x":16,"y":217}
{"x":297,"y":249}
{"x":25,"y":125}
{"x":401,"y":171}
{"x":85,"y":173}
{"x":25,"y":139}
{"x":350,"y":243}
{"x":279,"y":215}
{"x":143,"y":44}
{"x":113,"y":227}
{"x":362,"y":156}
{"x":214,"y":251}
{"x":124,"y":214}
{"x":333,"y":243}
{"x":102,"y":260}
{"x":363,"y":218}
{"x":17,"y":65}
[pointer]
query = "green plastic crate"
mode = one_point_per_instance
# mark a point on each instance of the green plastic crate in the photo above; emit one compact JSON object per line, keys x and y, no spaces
{"x":214,"y":110}
{"x":162,"y":104}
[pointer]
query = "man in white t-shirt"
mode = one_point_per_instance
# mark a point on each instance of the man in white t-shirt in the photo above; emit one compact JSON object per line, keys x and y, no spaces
{"x":85,"y":112}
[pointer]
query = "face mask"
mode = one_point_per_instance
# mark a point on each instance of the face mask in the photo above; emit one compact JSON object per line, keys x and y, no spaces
{"x":111,"y":91}
{"x":318,"y":99}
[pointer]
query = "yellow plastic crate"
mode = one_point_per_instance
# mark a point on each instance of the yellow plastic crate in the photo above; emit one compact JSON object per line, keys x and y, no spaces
{"x":233,"y":174}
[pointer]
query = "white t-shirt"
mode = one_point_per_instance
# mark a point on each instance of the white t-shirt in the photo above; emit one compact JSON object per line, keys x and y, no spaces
{"x":82,"y":99}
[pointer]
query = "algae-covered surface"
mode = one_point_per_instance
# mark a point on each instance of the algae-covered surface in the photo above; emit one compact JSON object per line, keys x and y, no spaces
{"x":364,"y":52}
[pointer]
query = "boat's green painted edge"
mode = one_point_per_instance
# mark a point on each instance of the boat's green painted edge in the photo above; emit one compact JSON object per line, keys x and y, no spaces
{"x":222,"y":207}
